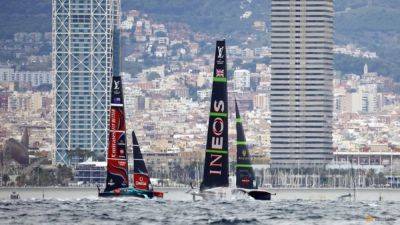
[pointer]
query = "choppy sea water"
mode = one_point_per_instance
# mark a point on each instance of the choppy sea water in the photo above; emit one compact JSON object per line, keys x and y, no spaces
{"x":178,"y":208}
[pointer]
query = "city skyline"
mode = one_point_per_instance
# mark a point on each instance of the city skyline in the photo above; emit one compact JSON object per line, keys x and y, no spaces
{"x":200,"y":112}
{"x":167,"y":71}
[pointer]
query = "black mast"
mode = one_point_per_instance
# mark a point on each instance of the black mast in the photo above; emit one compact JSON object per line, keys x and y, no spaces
{"x":244,"y":171}
{"x":216,"y":158}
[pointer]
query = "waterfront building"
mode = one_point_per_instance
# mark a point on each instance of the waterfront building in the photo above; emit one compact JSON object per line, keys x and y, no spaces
{"x":301,"y":85}
{"x":90,"y":172}
{"x":83,"y":46}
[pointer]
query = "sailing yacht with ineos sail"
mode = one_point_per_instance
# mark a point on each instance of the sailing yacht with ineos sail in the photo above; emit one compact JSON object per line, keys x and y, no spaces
{"x":216,"y":164}
{"x":245,"y":177}
{"x":215,"y":182}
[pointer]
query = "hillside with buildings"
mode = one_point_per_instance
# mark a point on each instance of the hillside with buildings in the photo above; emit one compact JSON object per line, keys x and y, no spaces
{"x":167,"y":67}
{"x":239,"y":21}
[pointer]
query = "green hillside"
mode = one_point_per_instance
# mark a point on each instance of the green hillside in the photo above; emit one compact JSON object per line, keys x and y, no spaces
{"x":216,"y":17}
{"x":373,"y":24}
{"x":24,"y":16}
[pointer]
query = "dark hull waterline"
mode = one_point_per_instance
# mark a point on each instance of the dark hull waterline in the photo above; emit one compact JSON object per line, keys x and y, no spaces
{"x":256,"y":194}
{"x":222,"y":192}
{"x":131,"y":192}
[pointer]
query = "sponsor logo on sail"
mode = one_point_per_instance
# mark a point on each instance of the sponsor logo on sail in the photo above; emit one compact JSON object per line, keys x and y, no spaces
{"x":113,"y":124}
{"x":141,"y":181}
{"x":220,"y":55}
{"x":113,"y":145}
{"x":220,"y":72}
{"x":218,"y":126}
{"x":116,"y":85}
{"x":245,"y":180}
{"x":217,"y":139}
{"x":220,"y":52}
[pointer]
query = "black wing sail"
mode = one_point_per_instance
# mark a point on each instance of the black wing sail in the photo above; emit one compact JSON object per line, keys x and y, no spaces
{"x":216,"y":158}
{"x":245,"y":177}
{"x":141,"y":179}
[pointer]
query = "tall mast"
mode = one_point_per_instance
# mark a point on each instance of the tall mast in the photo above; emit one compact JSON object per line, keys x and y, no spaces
{"x":117,"y":161}
{"x":216,"y":168}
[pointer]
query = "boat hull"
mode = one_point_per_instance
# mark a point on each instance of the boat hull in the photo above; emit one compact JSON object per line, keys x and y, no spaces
{"x":221,"y":193}
{"x":256,"y":194}
{"x":131,"y":192}
{"x":260,"y":195}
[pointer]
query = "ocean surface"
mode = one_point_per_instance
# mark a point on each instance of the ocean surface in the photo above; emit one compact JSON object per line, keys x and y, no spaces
{"x":289,"y":206}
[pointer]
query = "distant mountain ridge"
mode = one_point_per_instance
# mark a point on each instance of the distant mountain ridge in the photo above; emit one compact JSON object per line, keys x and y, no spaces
{"x":24,"y":16}
{"x":373,"y":24}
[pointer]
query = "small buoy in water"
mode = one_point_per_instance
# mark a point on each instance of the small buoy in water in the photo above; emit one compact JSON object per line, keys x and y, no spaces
{"x":14,"y":195}
{"x":369,"y":218}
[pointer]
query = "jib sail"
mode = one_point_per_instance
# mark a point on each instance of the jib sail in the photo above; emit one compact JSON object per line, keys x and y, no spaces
{"x":245,"y":177}
{"x":141,"y":179}
{"x":216,"y":158}
{"x":117,"y":162}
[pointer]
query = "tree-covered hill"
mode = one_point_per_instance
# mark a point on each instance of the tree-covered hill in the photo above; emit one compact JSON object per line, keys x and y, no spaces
{"x":216,"y":17}
{"x":24,"y":16}
{"x":372,"y":24}
{"x":375,"y":25}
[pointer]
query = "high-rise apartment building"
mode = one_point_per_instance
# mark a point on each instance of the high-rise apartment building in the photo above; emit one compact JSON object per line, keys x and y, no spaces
{"x":301,"y":85}
{"x":83,"y":33}
{"x":33,"y":78}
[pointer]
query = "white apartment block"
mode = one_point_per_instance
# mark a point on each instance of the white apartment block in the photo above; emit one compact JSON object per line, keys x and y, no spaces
{"x":33,"y":78}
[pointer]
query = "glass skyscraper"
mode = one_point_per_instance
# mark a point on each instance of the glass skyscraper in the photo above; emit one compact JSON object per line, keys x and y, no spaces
{"x":301,"y":88}
{"x":83,"y":33}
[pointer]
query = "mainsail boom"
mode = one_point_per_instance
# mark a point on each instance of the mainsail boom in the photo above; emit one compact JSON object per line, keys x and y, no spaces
{"x":216,"y":158}
{"x":245,"y":177}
